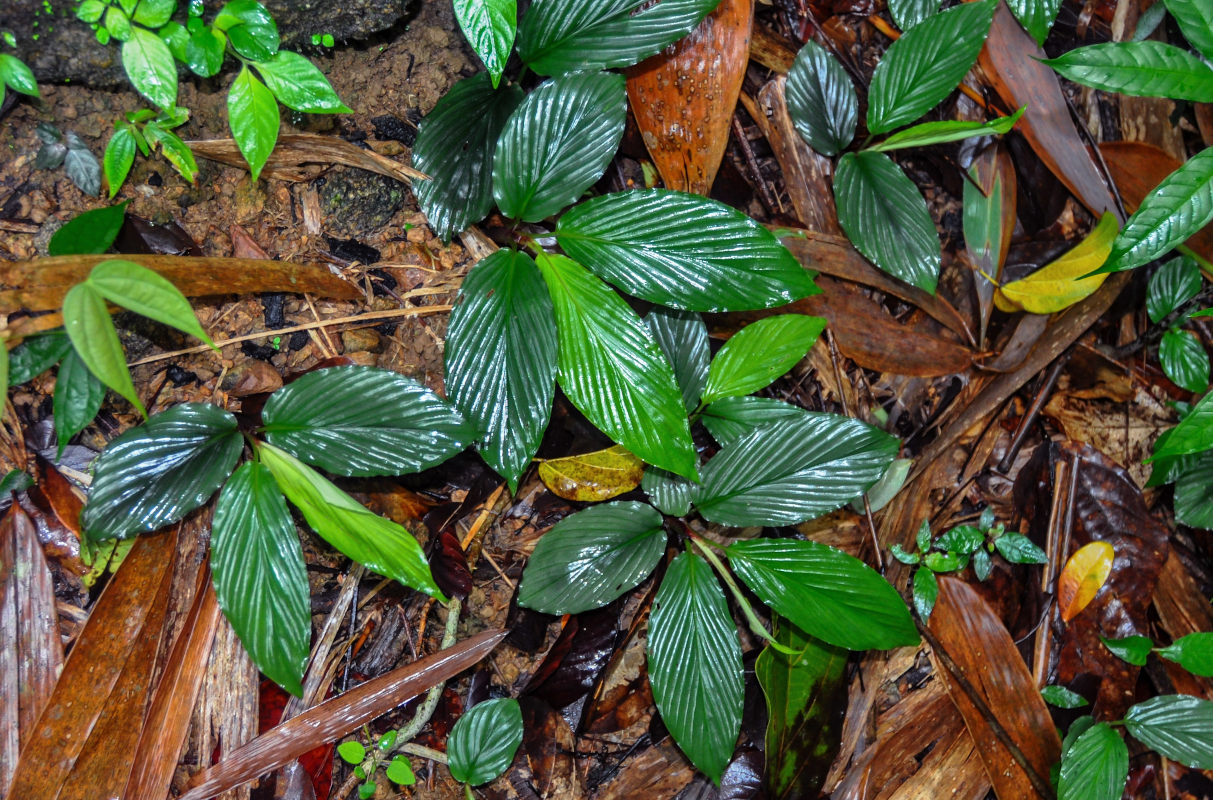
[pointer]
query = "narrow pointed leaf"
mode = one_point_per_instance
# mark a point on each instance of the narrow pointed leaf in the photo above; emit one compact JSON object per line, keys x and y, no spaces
{"x":591,"y":557}
{"x":1095,"y":767}
{"x":821,"y":100}
{"x":1133,"y":649}
{"x":175,"y":151}
{"x":1177,"y":726}
{"x":592,"y":477}
{"x":259,"y":575}
{"x":731,"y":418}
{"x":1145,"y":69}
{"x":483,"y":741}
{"x":501,"y":359}
{"x":695,"y":664}
{"x":87,"y":322}
{"x":760,"y":353}
{"x":557,"y":143}
{"x":364,"y":421}
{"x":299,"y":84}
{"x":1195,"y":18}
{"x":929,"y":133}
{"x":1175,"y":283}
{"x":1184,"y":360}
{"x":252,"y":114}
{"x":489,"y":26}
{"x":78,"y":396}
{"x":683,"y":338}
{"x":1036,"y":16}
{"x":149,"y":65}
{"x":162,"y":470}
{"x":148,"y":294}
{"x":118,"y":159}
{"x":1193,"y":434}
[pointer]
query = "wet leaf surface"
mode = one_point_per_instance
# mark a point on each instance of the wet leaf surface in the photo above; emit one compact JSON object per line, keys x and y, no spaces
{"x":589,"y":477}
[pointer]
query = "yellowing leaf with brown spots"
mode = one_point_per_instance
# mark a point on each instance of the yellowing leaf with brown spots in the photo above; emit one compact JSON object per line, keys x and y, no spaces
{"x":589,"y":477}
{"x":1061,"y":284}
{"x":1085,"y":572}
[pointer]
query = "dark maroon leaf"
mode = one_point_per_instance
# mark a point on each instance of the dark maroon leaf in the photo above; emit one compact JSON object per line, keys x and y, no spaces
{"x":142,"y":237}
{"x":450,"y":566}
{"x":742,"y":780}
{"x":579,"y":655}
{"x":545,"y":764}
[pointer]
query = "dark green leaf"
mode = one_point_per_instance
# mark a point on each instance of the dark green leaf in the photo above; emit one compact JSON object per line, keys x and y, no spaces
{"x":923,"y":67}
{"x":251,"y":28}
{"x":1096,"y":767}
{"x":1193,"y":652}
{"x":118,"y":159}
{"x":299,"y":84}
{"x":1019,"y":549}
{"x":150,"y":67}
{"x":78,"y":396}
{"x":1184,"y":360}
{"x":91,"y":232}
{"x":1145,"y":69}
{"x":1194,"y":493}
{"x":683,"y":251}
{"x":162,"y":470}
{"x":455,"y":147}
{"x":1036,"y":16}
{"x":1175,"y":283}
{"x":377,"y":543}
{"x":731,"y":418}
{"x":557,"y":143}
{"x":926,"y":592}
{"x":1195,"y":18}
{"x":147,"y":293}
{"x":1193,"y":434}
{"x":50,"y":155}
{"x":1062,"y":697}
{"x":177,"y":38}
{"x":963,"y":539}
{"x":260,"y":577}
{"x":591,"y":557}
{"x":252,"y":114}
{"x":908,"y":13}
{"x":695,"y":664}
{"x":154,"y":13}
{"x":87,"y":321}
{"x":683,"y":338}
{"x":821,"y":99}
{"x":886,"y":217}
{"x":669,"y":492}
{"x":489,"y":26}
{"x":1133,"y":649}
{"x":36,"y":355}
{"x":483,"y":741}
{"x":559,"y":36}
{"x":1177,"y":726}
{"x":614,"y":372}
{"x":81,"y":165}
{"x":826,"y":593}
{"x":791,"y":471}
{"x":501,"y":359}
{"x":759,"y":353}
{"x":364,"y":421}
{"x":16,"y":74}
{"x":929,"y":133}
{"x":14,"y":481}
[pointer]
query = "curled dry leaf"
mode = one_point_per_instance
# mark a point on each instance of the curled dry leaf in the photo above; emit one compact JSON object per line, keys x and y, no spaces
{"x":1085,"y":574}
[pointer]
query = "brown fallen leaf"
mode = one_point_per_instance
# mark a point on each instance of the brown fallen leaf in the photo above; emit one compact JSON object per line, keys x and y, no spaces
{"x":590,"y":477}
{"x":295,"y":149}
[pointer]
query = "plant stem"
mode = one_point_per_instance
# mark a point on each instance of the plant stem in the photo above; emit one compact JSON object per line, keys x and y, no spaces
{"x":1192,"y":254}
{"x":421,"y":751}
{"x":742,"y":601}
{"x":426,"y":709}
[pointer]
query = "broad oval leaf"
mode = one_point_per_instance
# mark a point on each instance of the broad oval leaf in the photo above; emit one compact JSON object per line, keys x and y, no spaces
{"x":591,"y":557}
{"x":251,"y":28}
{"x":1036,"y":16}
{"x":1184,"y":360}
{"x":501,"y":359}
{"x":483,"y":741}
{"x":81,"y":165}
{"x":1193,"y":434}
{"x":154,"y":13}
{"x":592,"y":477}
{"x":557,"y":143}
{"x":489,"y":26}
{"x":683,"y":251}
{"x":377,"y":543}
{"x":150,"y":67}
{"x":1175,"y":283}
{"x":929,"y":133}
{"x":1145,"y":69}
{"x":614,"y":372}
{"x":669,"y":492}
{"x":826,"y":593}
{"x":821,"y":100}
{"x":14,"y":73}
{"x":1195,"y":18}
{"x":78,"y":396}
{"x":886,"y":217}
{"x":1194,"y":493}
{"x":162,"y":470}
{"x":362,"y":421}
{"x":1084,"y":574}
{"x":87,"y":322}
{"x":1133,"y":649}
{"x":923,"y":67}
{"x":731,"y":418}
{"x":1177,"y":726}
{"x":36,"y":355}
{"x":259,"y":575}
{"x":91,"y":232}
{"x":299,"y":84}
{"x":559,"y":36}
{"x":760,"y":353}
{"x":908,"y":13}
{"x":683,"y":338}
{"x":1061,"y":697}
{"x":252,"y":114}
{"x":695,"y":664}
{"x":148,"y":294}
{"x":791,"y":471}
{"x":1096,"y":767}
{"x":1193,"y":652}
{"x":926,"y":591}
{"x":1066,"y":280}
{"x":455,"y":147}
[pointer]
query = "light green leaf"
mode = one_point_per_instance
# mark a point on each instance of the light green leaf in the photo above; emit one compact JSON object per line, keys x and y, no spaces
{"x":1177,"y":726}
{"x":260,"y":577}
{"x":483,"y":741}
{"x":926,"y":591}
{"x":1061,"y":697}
{"x":16,"y":74}
{"x":1193,"y":652}
{"x":92,"y":232}
{"x":489,"y":26}
{"x":1175,"y":283}
{"x":91,"y":10}
{"x":1095,"y":767}
{"x":1194,"y":493}
{"x":683,"y":339}
{"x":613,"y":371}
{"x":174,"y":150}
{"x":760,"y":353}
{"x":1145,"y":69}
{"x":1133,"y":649}
{"x":145,"y":292}
{"x":87,"y":322}
{"x":821,"y":99}
{"x":150,"y":67}
{"x":205,"y":51}
{"x":1193,"y":434}
{"x":78,"y":396}
{"x":557,"y":143}
{"x":731,"y":418}
{"x":36,"y":355}
{"x":929,"y":133}
{"x":3,"y":370}
{"x":154,"y":13}
{"x":1195,"y":18}
{"x":351,"y":752}
{"x":683,"y":251}
{"x":299,"y":84}
{"x":1184,"y":360}
{"x":250,"y":27}
{"x":695,"y":664}
{"x":117,"y":24}
{"x":118,"y":159}
{"x":252,"y":115}
{"x":1036,"y":16}
{"x":400,"y":771}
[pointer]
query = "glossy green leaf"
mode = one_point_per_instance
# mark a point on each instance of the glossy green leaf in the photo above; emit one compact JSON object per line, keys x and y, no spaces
{"x":36,"y":355}
{"x":695,"y":664}
{"x":299,"y":84}
{"x":963,"y":539}
{"x":926,"y":591}
{"x":559,"y":36}
{"x":1019,"y":549}
{"x":259,"y":575}
{"x":205,"y":51}
{"x":1177,"y":726}
{"x":252,"y":114}
{"x":591,"y":557}
{"x":150,"y":67}
{"x":908,"y":13}
{"x":489,"y":26}
{"x":826,"y":593}
{"x":157,"y":473}
{"x":805,"y":699}
{"x":400,"y":771}
{"x":87,"y":322}
{"x":250,"y":27}
{"x":154,"y":13}
{"x":81,"y":165}
{"x":351,"y":752}
{"x":683,"y":338}
{"x":929,"y":133}
{"x":613,"y":371}
{"x":760,"y":353}
{"x":1036,"y":16}
{"x":886,"y":217}
{"x":1193,"y":652}
{"x":362,"y":421}
{"x":373,"y":541}
{"x":731,"y":418}
{"x":117,"y":24}
{"x":1061,"y":697}
{"x":1193,"y":434}
{"x":501,"y":359}
{"x":174,"y":150}
{"x":791,"y":471}
{"x":78,"y":396}
{"x":1173,"y":284}
{"x":147,"y":293}
{"x":671,"y":493}
{"x":15,"y":74}
{"x":1095,"y":767}
{"x":89,"y":233}
{"x":923,"y":67}
{"x":557,"y":143}
{"x":1145,"y":69}
{"x":119,"y":158}
{"x":683,"y":251}
{"x":1194,"y":493}
{"x":456,"y":147}
{"x":483,"y":741}
{"x":1133,"y":649}
{"x":90,"y":11}
{"x":1195,"y":18}
{"x":821,"y":99}
{"x":1184,"y":360}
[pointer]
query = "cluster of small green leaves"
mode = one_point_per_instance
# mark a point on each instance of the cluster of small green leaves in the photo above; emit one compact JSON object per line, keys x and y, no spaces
{"x":152,"y":46}
{"x":1193,"y":652}
{"x":71,"y":153}
{"x":1183,"y":455}
{"x":957,"y":548}
{"x":14,"y":74}
{"x":365,"y":762}
{"x":879,"y":207}
{"x":1183,"y":358}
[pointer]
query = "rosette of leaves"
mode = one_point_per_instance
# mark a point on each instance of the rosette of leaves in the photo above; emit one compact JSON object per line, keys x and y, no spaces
{"x":69,"y":151}
{"x":777,"y":464}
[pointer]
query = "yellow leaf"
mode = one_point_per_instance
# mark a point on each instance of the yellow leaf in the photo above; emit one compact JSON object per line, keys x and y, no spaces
{"x":600,"y":475}
{"x":1061,"y":284}
{"x":1085,"y":572}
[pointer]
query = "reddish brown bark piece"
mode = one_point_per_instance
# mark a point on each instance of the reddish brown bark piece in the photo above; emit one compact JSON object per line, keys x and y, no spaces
{"x":986,"y":656}
{"x":684,"y":97}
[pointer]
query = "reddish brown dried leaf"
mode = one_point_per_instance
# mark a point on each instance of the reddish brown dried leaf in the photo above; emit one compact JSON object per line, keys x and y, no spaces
{"x":578,"y":657}
{"x":295,"y":149}
{"x":55,"y":511}
{"x":450,"y":565}
{"x":546,"y":763}
{"x":244,"y":246}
